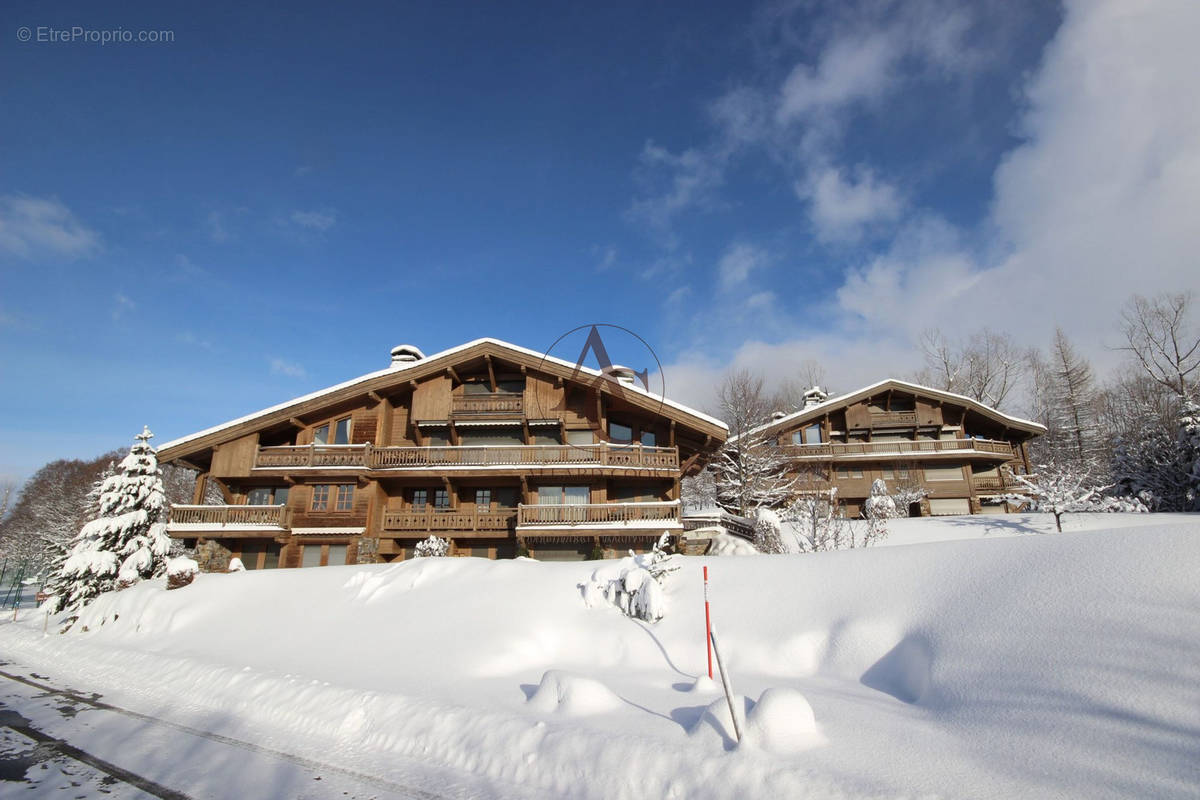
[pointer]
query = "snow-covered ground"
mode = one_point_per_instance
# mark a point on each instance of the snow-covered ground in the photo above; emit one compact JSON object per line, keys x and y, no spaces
{"x":992,"y":666}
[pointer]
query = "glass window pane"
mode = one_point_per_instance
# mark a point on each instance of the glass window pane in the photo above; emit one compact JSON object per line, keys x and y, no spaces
{"x":502,"y":436}
{"x":548,"y":436}
{"x":420,"y":498}
{"x":580,"y":437}
{"x":797,"y":437}
{"x":259,"y":496}
{"x":337,"y":555}
{"x":550,"y":495}
{"x":341,"y":434}
{"x":620,"y":433}
{"x":281,"y":495}
{"x":483,"y":498}
{"x":648,"y":438}
{"x":250,"y":551}
{"x":345,"y":497}
{"x":812,"y":434}
{"x":320,"y":501}
{"x":321,"y":435}
{"x":272,"y":559}
{"x":441,"y":498}
{"x":311,"y":556}
{"x":507,"y":498}
{"x":576,"y":495}
{"x":511,"y":387}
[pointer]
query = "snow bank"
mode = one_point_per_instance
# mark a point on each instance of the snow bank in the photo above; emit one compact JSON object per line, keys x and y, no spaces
{"x":573,"y":695}
{"x":1021,"y":666}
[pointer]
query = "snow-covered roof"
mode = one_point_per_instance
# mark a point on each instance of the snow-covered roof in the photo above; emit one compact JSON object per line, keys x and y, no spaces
{"x":819,"y":409}
{"x":397,"y":368}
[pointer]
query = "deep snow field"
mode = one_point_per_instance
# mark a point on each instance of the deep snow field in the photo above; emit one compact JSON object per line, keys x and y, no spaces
{"x":990,"y":664}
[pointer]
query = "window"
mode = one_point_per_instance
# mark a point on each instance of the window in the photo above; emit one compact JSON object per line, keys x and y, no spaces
{"x":267,"y":496}
{"x":441,"y":498}
{"x":580,"y":437}
{"x":899,"y":472}
{"x":478,"y":387}
{"x":551,"y":436}
{"x":483,"y":499}
{"x":342,"y":496}
{"x":507,"y":497}
{"x":498,"y":435}
{"x":620,"y":433}
{"x":648,"y":438}
{"x":437,"y":437}
{"x":948,"y":472}
{"x":341,"y":432}
{"x":311,"y":556}
{"x":419,"y":499}
{"x":809,"y":435}
{"x":849,"y":472}
{"x":320,"y":497}
{"x":563,"y":495}
{"x":337,"y":555}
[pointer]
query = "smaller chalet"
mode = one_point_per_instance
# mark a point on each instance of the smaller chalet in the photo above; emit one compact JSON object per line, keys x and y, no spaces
{"x":499,"y":449}
{"x":957,"y":449}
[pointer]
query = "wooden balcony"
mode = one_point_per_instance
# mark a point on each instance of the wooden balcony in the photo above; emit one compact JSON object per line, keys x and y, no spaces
{"x":225,"y":518}
{"x":879,"y":418}
{"x":834,"y":450}
{"x":600,"y":515}
{"x":400,"y":458}
{"x":432,"y":520}
{"x":502,"y":404}
{"x":311,"y":455}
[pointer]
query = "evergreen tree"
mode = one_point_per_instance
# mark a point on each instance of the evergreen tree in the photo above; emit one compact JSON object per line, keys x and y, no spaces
{"x":128,"y":539}
{"x":1189,"y":451}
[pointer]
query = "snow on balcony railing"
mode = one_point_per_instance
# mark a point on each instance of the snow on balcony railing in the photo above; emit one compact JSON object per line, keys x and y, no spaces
{"x":836,"y":449}
{"x":602,"y":454}
{"x":229,"y":516}
{"x":602,"y":514}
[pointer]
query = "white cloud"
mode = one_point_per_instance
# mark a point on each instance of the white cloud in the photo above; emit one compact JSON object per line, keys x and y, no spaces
{"x":34,"y":227}
{"x":856,"y":68}
{"x":841,"y":209}
{"x":218,"y":231}
{"x":674,"y":184}
{"x":739,"y":260}
{"x":314,"y":220}
{"x":605,"y":257}
{"x":122,"y":305}
{"x":288,"y":369}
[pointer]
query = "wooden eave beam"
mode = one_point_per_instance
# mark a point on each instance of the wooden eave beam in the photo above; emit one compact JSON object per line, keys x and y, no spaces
{"x":487,"y":359}
{"x":297,"y":422}
{"x":376,"y":396}
{"x":453,"y":375}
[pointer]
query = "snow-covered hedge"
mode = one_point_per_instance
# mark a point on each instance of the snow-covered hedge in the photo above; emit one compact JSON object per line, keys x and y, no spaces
{"x":633,"y":584}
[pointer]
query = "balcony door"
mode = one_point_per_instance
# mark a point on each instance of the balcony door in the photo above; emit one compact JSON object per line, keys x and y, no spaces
{"x":563,"y":496}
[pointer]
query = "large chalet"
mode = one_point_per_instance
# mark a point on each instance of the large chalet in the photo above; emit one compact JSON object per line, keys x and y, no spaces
{"x":959,"y":451}
{"x":499,"y":449}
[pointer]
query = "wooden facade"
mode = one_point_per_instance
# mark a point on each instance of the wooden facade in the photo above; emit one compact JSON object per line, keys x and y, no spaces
{"x":496,"y":448}
{"x":959,"y":451}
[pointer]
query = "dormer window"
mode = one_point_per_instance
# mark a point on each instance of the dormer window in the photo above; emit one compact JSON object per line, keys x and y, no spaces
{"x":341,"y":432}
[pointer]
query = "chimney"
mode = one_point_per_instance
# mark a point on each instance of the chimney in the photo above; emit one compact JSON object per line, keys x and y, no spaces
{"x":403,"y":354}
{"x":622,"y":375}
{"x":778,"y":415}
{"x":815,"y":396}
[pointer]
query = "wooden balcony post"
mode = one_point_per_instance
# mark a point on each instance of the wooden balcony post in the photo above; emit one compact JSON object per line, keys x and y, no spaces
{"x":312,"y":453}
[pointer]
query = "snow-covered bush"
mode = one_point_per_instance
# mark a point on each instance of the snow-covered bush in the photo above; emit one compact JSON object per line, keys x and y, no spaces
{"x":1059,"y":488}
{"x":768,"y":532}
{"x":235,"y":565}
{"x":818,"y":522}
{"x":878,"y":509}
{"x":181,"y":571}
{"x":633,"y":584}
{"x":126,"y":542}
{"x":433,"y":547}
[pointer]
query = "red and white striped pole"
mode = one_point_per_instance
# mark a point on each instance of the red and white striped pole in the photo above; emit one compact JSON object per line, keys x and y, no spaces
{"x":707,"y":624}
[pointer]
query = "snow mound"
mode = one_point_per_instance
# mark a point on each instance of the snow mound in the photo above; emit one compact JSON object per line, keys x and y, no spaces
{"x":705,"y":685}
{"x":716,"y":719}
{"x":236,"y":565}
{"x":905,"y":672}
{"x":573,"y":695}
{"x":782,"y":721}
{"x":726,"y":544}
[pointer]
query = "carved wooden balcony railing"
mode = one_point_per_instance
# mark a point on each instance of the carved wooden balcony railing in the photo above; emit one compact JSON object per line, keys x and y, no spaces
{"x":231,"y":516}
{"x":448,"y":520}
{"x":646,"y":514}
{"x":893,"y":417}
{"x":311,"y":455}
{"x":471,"y":405}
{"x":838,"y":449}
{"x":987,"y":482}
{"x":564,"y":455}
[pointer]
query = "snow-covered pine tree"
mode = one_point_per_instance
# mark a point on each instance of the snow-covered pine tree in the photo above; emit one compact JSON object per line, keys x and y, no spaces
{"x":752,"y":472}
{"x":128,"y":539}
{"x":1189,"y":452}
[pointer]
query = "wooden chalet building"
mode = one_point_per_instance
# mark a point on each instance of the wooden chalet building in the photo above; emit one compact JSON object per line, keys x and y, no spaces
{"x":489,"y":445}
{"x":957,"y":449}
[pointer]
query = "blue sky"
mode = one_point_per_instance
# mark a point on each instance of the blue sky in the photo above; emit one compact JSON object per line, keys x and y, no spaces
{"x":196,"y":229}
